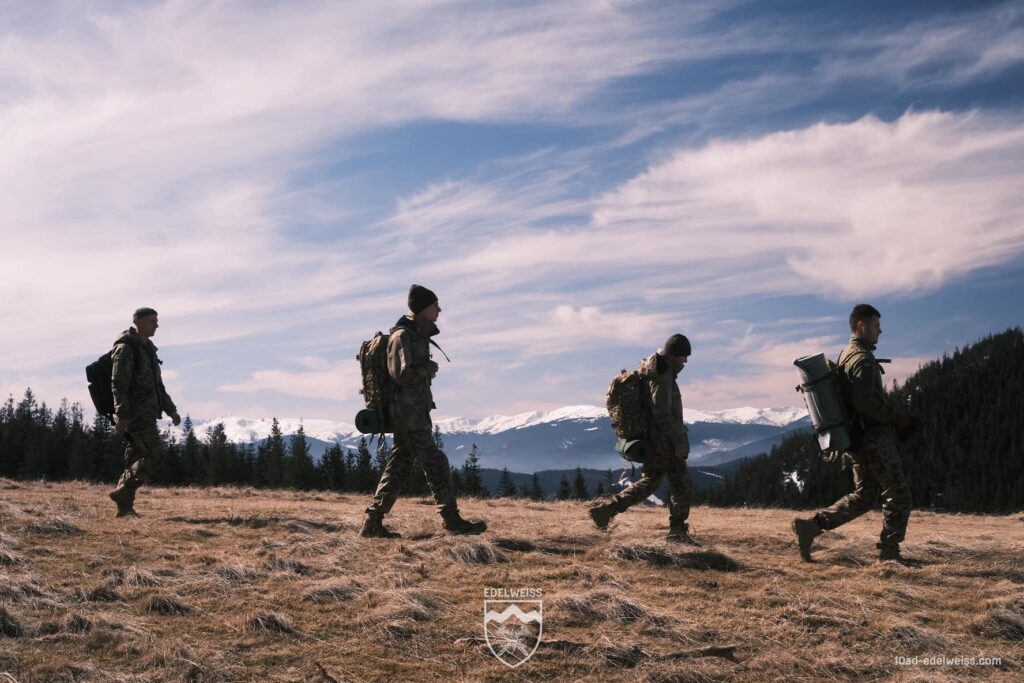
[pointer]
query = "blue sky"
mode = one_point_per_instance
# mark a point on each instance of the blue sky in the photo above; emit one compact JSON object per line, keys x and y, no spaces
{"x":575,"y":180}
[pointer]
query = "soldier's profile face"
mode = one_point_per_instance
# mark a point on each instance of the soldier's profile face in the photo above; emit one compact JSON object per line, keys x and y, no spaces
{"x":431,"y":313}
{"x":870,"y":330}
{"x":147,"y":325}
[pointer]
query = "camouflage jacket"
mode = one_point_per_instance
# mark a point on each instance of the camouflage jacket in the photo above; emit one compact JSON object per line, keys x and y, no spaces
{"x":866,"y":393}
{"x":412,"y":369}
{"x":139,"y":394}
{"x":667,"y":432}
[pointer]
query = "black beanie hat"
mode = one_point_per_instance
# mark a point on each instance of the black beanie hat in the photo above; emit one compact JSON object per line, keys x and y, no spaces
{"x":677,"y":345}
{"x":420,"y":297}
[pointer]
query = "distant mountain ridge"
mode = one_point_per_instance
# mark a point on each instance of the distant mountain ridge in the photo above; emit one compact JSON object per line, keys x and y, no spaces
{"x":563,"y":438}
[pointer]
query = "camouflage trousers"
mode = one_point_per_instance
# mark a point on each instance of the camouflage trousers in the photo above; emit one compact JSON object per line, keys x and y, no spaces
{"x":409,"y":446}
{"x":141,"y":454}
{"x":679,"y":481}
{"x":877,"y":473}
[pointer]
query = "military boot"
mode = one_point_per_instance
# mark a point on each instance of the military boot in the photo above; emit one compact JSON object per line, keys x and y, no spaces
{"x":602,"y":515}
{"x":455,"y":524}
{"x":680,"y":533}
{"x":889,"y":552}
{"x":806,"y":531}
{"x":125,"y":499}
{"x":373,"y":526}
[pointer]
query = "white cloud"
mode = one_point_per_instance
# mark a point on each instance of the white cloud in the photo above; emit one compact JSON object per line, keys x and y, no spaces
{"x":148,"y":151}
{"x":327,"y":380}
{"x":858,"y":209}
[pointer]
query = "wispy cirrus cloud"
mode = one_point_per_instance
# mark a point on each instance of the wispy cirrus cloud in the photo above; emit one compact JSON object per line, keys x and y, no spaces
{"x":212,"y":160}
{"x":858,"y":209}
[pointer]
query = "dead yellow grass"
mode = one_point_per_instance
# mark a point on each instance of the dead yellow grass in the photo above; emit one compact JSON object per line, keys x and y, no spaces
{"x":238,"y":585}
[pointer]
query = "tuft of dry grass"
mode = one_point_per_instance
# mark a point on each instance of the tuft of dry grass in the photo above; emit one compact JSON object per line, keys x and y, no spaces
{"x":9,"y":559}
{"x":167,"y":605}
{"x":279,"y":564}
{"x":270,"y":622}
{"x":102,"y":594}
{"x":238,"y":573}
{"x":334,"y":590}
{"x":1005,"y":619}
{"x":141,"y":577}
{"x":660,"y":557}
{"x":478,"y":552}
{"x":18,"y":589}
{"x":58,"y":526}
{"x":9,"y":626}
{"x":608,"y":605}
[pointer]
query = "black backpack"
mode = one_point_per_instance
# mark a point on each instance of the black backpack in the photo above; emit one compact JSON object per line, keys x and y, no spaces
{"x":99,"y":373}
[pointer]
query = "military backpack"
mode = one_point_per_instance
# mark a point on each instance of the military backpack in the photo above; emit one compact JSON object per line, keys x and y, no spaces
{"x":628,"y":405}
{"x":378,"y":387}
{"x":99,"y":374}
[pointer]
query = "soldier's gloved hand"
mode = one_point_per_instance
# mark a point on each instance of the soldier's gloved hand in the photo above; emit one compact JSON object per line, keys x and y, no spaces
{"x":683,"y":452}
{"x":122,"y":426}
{"x":433,"y":368}
{"x":176,"y":419}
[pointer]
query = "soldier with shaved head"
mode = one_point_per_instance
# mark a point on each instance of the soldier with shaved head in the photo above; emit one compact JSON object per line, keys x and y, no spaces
{"x":877,"y":469}
{"x":140,"y":399}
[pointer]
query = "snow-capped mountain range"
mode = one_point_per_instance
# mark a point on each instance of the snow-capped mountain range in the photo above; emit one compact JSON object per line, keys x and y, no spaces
{"x":564,"y":437}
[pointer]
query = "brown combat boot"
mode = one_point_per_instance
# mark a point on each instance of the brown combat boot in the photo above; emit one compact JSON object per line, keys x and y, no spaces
{"x":125,"y":499}
{"x":680,"y":533}
{"x":373,"y":526}
{"x":455,"y":524}
{"x":602,"y":515}
{"x":806,"y":531}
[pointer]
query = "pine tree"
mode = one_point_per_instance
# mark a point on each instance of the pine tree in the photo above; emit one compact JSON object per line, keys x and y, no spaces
{"x":193,"y":469}
{"x":272,"y":456}
{"x":458,"y":487}
{"x":579,"y":486}
{"x":332,"y":468}
{"x":536,"y":490}
{"x":301,"y":469}
{"x":365,"y":476}
{"x":472,"y":481}
{"x":563,"y":493}
{"x":506,"y":486}
{"x":221,"y":456}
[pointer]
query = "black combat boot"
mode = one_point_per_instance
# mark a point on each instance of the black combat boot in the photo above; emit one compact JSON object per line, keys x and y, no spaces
{"x":125,"y":499}
{"x":373,"y":526}
{"x":806,"y":531}
{"x":602,"y":514}
{"x":455,"y":524}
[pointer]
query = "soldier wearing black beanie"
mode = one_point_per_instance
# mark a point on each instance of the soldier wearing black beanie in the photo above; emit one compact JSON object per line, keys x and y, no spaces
{"x":420,"y":298}
{"x":677,"y":345}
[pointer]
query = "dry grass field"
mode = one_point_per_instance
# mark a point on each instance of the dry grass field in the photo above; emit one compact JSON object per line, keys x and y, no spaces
{"x":243,"y":585}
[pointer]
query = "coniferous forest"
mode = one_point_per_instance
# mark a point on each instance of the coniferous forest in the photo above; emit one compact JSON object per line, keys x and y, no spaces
{"x":967,"y":454}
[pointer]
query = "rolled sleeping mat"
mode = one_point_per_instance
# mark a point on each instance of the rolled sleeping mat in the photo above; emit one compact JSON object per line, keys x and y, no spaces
{"x":368,"y":421}
{"x":636,"y":450}
{"x":824,"y":402}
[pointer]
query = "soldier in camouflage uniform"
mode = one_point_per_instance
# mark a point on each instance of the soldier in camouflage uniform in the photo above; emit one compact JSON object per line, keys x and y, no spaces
{"x":877,"y":470}
{"x":667,"y":435}
{"x":411,"y":368}
{"x":139,"y":401}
